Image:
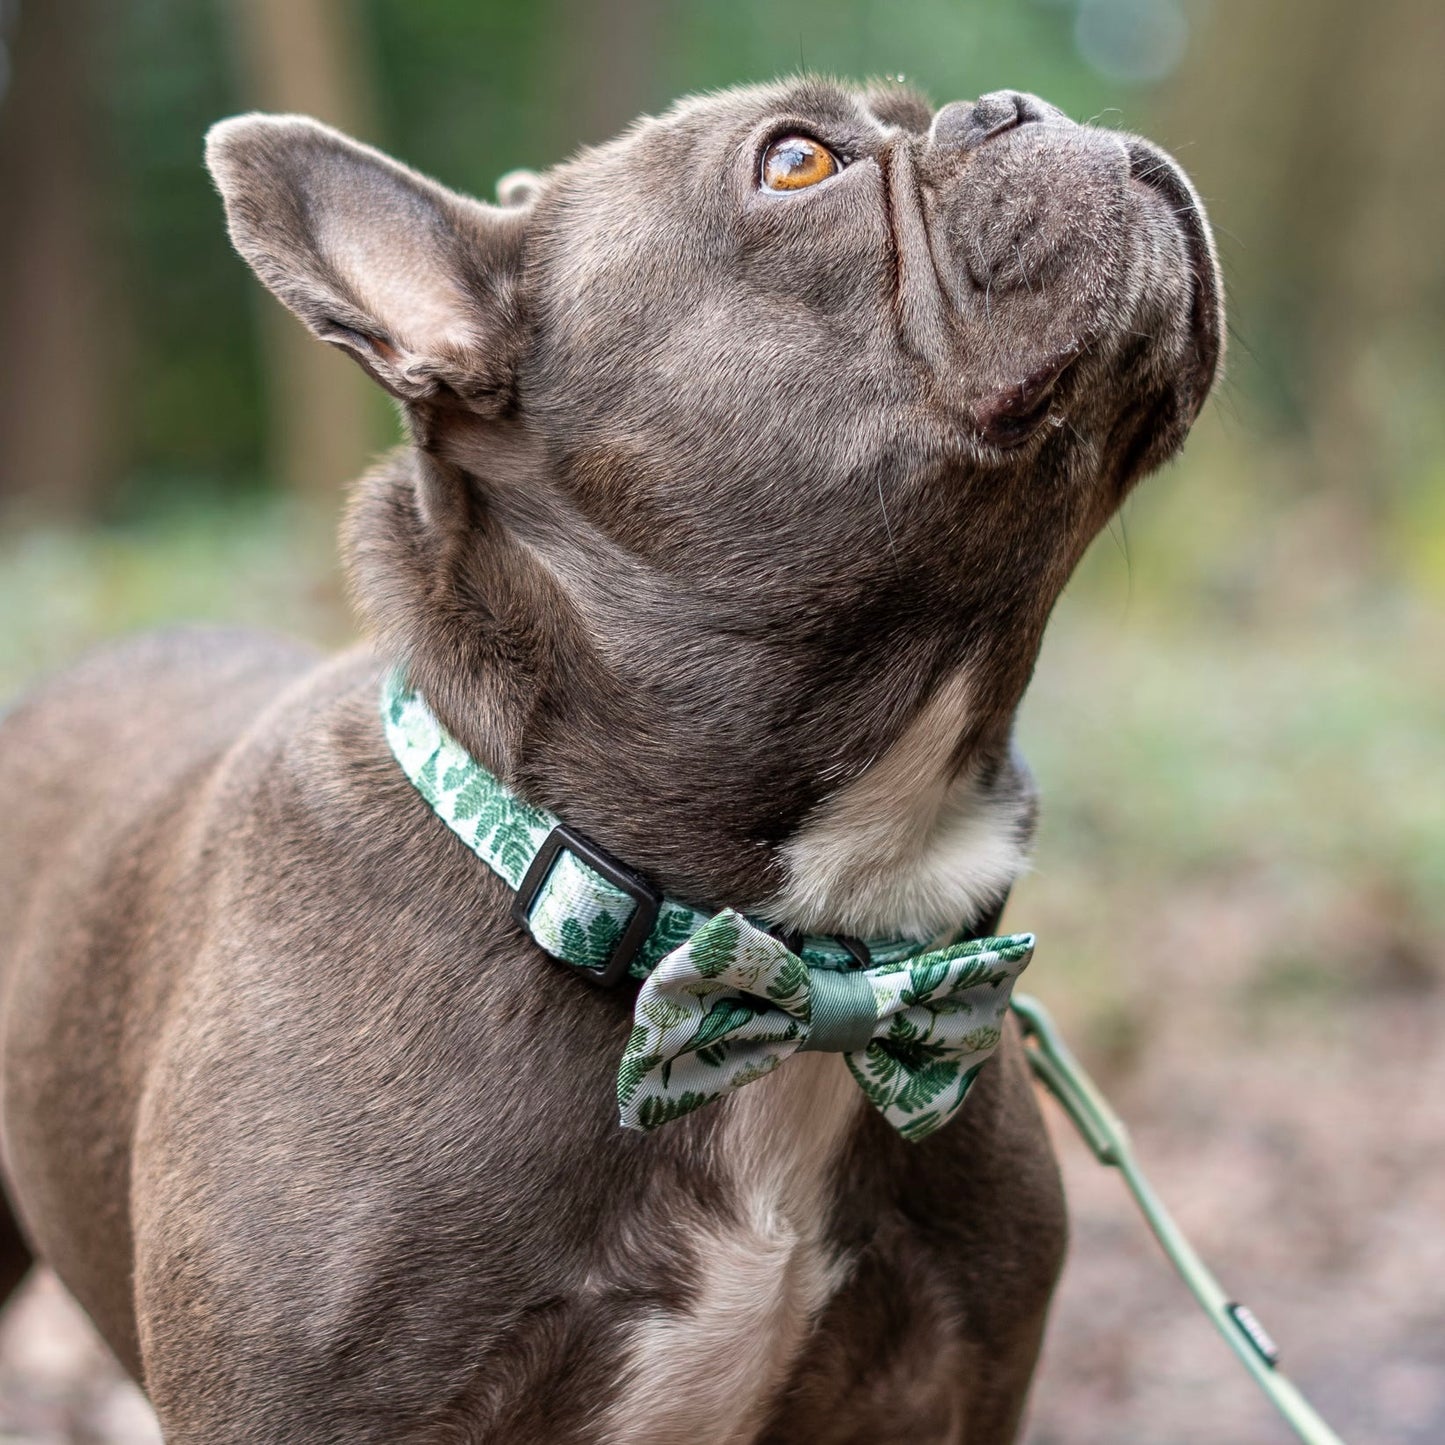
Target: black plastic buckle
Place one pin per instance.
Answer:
(647, 901)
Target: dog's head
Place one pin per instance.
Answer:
(742, 436)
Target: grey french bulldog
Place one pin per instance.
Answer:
(749, 453)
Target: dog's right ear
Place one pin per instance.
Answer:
(421, 285)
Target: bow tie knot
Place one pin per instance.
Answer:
(732, 1003)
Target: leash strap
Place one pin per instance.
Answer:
(1064, 1077)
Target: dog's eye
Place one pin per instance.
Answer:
(796, 161)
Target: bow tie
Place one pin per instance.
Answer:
(732, 1003)
(723, 1001)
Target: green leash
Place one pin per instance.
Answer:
(1104, 1133)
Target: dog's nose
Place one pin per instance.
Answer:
(965, 125)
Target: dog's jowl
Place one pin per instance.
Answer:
(748, 455)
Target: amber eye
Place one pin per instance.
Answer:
(796, 161)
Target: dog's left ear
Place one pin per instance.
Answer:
(421, 285)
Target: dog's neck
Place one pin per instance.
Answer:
(730, 768)
(913, 844)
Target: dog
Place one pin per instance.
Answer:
(748, 454)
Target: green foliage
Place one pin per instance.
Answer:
(592, 945)
(791, 975)
(721, 1019)
(195, 405)
(635, 1067)
(715, 947)
(925, 978)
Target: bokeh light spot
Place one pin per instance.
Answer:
(1132, 40)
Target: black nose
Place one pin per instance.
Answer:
(964, 126)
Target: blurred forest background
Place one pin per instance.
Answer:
(1239, 719)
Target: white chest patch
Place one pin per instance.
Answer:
(706, 1376)
(907, 848)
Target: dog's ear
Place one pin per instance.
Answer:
(518, 188)
(421, 285)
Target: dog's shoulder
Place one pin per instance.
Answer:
(170, 685)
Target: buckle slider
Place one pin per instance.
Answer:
(646, 899)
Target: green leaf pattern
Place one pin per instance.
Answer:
(732, 1003)
(707, 1015)
(578, 916)
(465, 796)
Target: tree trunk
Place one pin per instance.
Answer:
(56, 417)
(305, 56)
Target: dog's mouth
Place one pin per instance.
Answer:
(1009, 417)
(1067, 243)
(1156, 174)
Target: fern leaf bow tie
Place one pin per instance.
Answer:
(732, 1003)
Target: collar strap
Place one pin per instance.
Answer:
(577, 901)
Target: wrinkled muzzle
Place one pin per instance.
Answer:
(1056, 241)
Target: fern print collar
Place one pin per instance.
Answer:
(724, 1001)
(579, 903)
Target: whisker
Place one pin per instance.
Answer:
(888, 526)
(988, 285)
